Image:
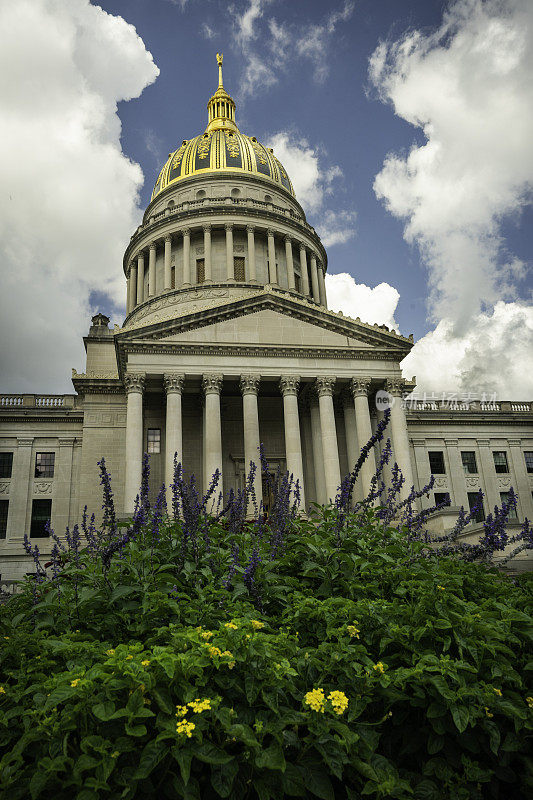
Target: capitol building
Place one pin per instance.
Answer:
(228, 343)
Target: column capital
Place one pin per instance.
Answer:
(207, 228)
(395, 386)
(451, 443)
(360, 386)
(270, 232)
(249, 384)
(134, 382)
(287, 239)
(250, 228)
(313, 258)
(66, 441)
(418, 442)
(26, 441)
(514, 442)
(483, 442)
(289, 384)
(186, 231)
(302, 245)
(131, 265)
(228, 226)
(168, 238)
(325, 385)
(212, 384)
(153, 245)
(140, 256)
(173, 383)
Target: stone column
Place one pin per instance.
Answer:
(314, 279)
(252, 274)
(303, 268)
(168, 270)
(400, 440)
(330, 450)
(359, 388)
(212, 384)
(230, 268)
(128, 291)
(521, 485)
(173, 430)
(490, 484)
(151, 270)
(272, 272)
(318, 456)
(352, 448)
(293, 444)
(290, 262)
(63, 486)
(140, 278)
(133, 293)
(458, 495)
(322, 287)
(422, 469)
(134, 383)
(207, 254)
(19, 489)
(249, 385)
(186, 257)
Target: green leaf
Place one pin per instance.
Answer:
(121, 591)
(271, 758)
(460, 717)
(222, 778)
(184, 758)
(427, 790)
(211, 754)
(38, 782)
(162, 698)
(318, 782)
(59, 695)
(153, 753)
(135, 730)
(104, 711)
(293, 781)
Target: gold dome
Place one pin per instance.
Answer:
(222, 148)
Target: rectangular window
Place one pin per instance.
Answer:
(238, 268)
(528, 455)
(504, 497)
(4, 509)
(44, 465)
(468, 457)
(297, 283)
(500, 461)
(442, 497)
(41, 512)
(200, 270)
(473, 498)
(436, 462)
(6, 464)
(154, 440)
(173, 277)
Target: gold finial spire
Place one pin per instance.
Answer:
(221, 107)
(220, 58)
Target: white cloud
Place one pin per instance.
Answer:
(376, 306)
(207, 31)
(69, 195)
(313, 40)
(468, 87)
(336, 227)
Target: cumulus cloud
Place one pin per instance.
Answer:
(467, 86)
(68, 202)
(376, 306)
(336, 227)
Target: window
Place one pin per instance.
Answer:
(41, 512)
(500, 461)
(6, 464)
(504, 498)
(297, 283)
(200, 270)
(442, 497)
(4, 508)
(238, 268)
(468, 458)
(473, 498)
(436, 462)
(44, 465)
(528, 455)
(154, 440)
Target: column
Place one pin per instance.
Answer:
(140, 278)
(521, 485)
(128, 291)
(151, 270)
(134, 383)
(314, 279)
(303, 268)
(423, 472)
(252, 275)
(458, 495)
(19, 489)
(230, 270)
(62, 486)
(330, 450)
(490, 483)
(318, 458)
(186, 257)
(168, 253)
(290, 262)
(352, 448)
(133, 276)
(173, 430)
(293, 445)
(322, 287)
(207, 254)
(272, 272)
(212, 385)
(386, 476)
(400, 440)
(359, 388)
(249, 385)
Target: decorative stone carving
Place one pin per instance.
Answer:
(228, 226)
(25, 442)
(451, 442)
(395, 386)
(325, 385)
(43, 487)
(472, 481)
(238, 248)
(418, 442)
(360, 386)
(287, 239)
(441, 483)
(186, 231)
(504, 482)
(249, 384)
(206, 228)
(168, 238)
(153, 246)
(212, 384)
(173, 383)
(66, 441)
(514, 442)
(289, 384)
(134, 382)
(250, 229)
(4, 488)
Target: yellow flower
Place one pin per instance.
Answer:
(488, 713)
(214, 651)
(128, 658)
(206, 634)
(316, 700)
(6, 637)
(75, 682)
(529, 701)
(2, 690)
(200, 705)
(181, 711)
(339, 701)
(115, 754)
(497, 691)
(353, 631)
(145, 662)
(257, 625)
(185, 727)
(231, 664)
(442, 588)
(379, 667)
(110, 652)
(230, 625)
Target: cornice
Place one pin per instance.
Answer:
(47, 415)
(468, 418)
(92, 384)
